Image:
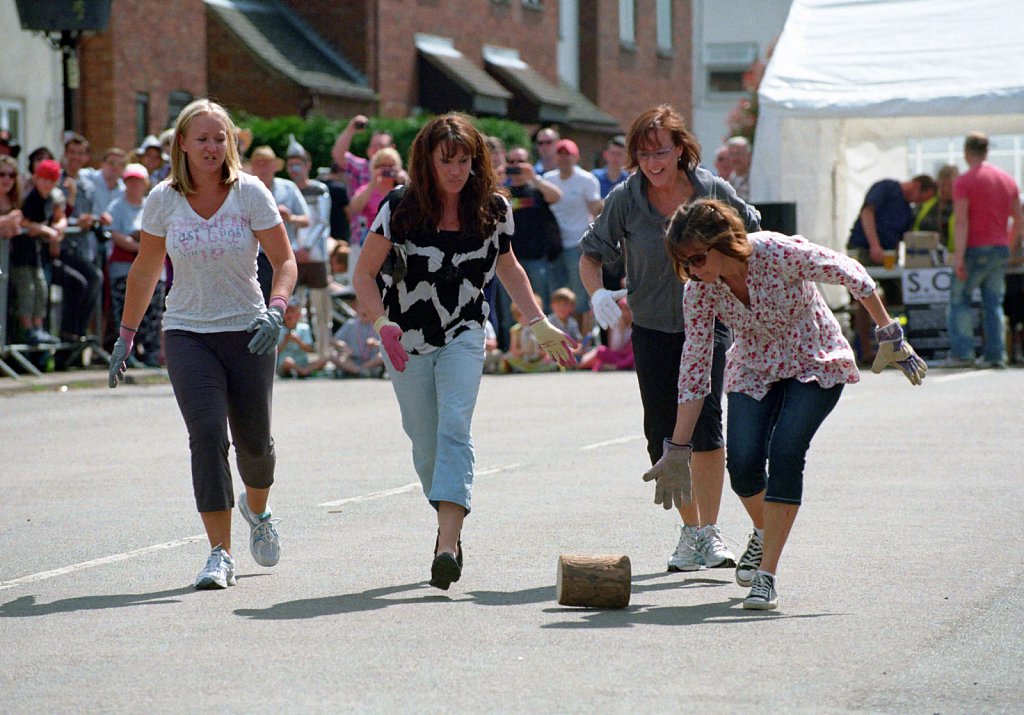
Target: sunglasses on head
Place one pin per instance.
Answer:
(697, 261)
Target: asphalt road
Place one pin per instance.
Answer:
(900, 587)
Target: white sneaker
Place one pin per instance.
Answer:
(219, 571)
(687, 556)
(713, 550)
(750, 561)
(264, 541)
(763, 596)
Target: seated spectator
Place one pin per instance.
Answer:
(44, 222)
(296, 347)
(357, 348)
(524, 352)
(493, 356)
(125, 227)
(563, 305)
(617, 354)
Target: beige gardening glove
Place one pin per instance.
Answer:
(894, 350)
(555, 343)
(672, 475)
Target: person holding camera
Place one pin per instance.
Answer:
(385, 169)
(125, 227)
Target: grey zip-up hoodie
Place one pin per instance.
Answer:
(630, 227)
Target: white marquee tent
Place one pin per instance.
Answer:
(850, 81)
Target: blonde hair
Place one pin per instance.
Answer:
(385, 153)
(181, 177)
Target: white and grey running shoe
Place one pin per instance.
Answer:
(713, 550)
(687, 556)
(750, 561)
(219, 571)
(264, 541)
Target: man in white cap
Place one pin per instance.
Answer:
(310, 244)
(151, 154)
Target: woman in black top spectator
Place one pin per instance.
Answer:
(446, 236)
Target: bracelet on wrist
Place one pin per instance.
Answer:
(379, 323)
(534, 321)
(130, 330)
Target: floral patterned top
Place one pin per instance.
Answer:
(787, 332)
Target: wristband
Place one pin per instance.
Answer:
(379, 323)
(280, 301)
(536, 320)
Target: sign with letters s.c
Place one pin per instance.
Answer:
(926, 285)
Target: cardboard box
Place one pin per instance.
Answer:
(921, 249)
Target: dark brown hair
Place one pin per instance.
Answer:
(15, 193)
(643, 134)
(421, 208)
(704, 224)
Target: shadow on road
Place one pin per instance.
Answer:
(26, 606)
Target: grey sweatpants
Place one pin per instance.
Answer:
(218, 383)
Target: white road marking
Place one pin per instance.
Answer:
(610, 442)
(953, 376)
(373, 495)
(42, 576)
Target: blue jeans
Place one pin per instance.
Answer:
(986, 269)
(778, 431)
(437, 395)
(564, 272)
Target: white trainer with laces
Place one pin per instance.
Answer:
(219, 571)
(713, 550)
(687, 556)
(763, 595)
(264, 541)
(750, 561)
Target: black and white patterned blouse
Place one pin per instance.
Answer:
(440, 292)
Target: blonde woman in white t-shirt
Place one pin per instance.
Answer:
(219, 336)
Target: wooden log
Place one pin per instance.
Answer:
(593, 581)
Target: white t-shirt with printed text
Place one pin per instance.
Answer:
(215, 287)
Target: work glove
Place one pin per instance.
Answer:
(391, 340)
(672, 475)
(122, 349)
(606, 306)
(554, 342)
(894, 350)
(268, 328)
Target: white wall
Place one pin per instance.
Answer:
(727, 21)
(30, 74)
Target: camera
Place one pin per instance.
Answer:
(388, 173)
(513, 170)
(102, 235)
(361, 124)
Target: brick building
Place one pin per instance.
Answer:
(585, 66)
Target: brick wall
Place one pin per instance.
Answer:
(151, 46)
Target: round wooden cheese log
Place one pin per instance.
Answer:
(593, 581)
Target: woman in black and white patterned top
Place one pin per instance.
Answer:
(440, 241)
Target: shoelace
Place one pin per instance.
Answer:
(715, 538)
(216, 560)
(265, 530)
(685, 544)
(752, 555)
(762, 587)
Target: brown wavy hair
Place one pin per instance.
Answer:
(643, 136)
(14, 195)
(704, 224)
(421, 208)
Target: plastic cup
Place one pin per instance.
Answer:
(889, 260)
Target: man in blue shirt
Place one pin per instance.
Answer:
(614, 170)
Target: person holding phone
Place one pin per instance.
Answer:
(385, 167)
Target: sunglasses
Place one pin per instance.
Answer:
(697, 261)
(546, 141)
(658, 154)
(8, 175)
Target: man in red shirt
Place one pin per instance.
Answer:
(985, 198)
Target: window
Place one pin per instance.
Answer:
(141, 116)
(176, 101)
(534, 4)
(664, 20)
(725, 64)
(627, 23)
(12, 113)
(927, 156)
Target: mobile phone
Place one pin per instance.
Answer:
(512, 170)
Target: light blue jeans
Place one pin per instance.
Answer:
(986, 269)
(437, 395)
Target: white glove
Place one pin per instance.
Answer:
(606, 306)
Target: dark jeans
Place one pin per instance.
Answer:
(219, 383)
(265, 275)
(656, 356)
(81, 281)
(777, 430)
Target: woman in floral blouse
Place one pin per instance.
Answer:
(783, 375)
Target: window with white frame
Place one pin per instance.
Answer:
(627, 22)
(927, 156)
(12, 118)
(663, 16)
(725, 63)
